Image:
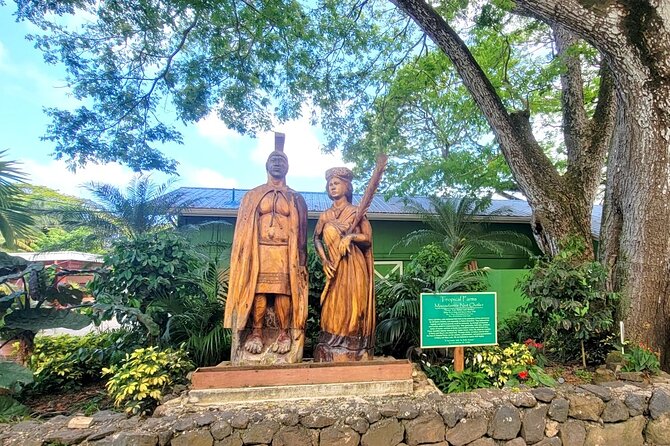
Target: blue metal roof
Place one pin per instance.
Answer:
(207, 201)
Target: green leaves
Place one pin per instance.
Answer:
(569, 298)
(13, 375)
(251, 64)
(10, 409)
(35, 319)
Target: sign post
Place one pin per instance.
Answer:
(458, 320)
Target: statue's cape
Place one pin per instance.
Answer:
(244, 258)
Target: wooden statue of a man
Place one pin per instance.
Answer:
(267, 296)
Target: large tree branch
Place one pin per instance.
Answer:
(575, 122)
(531, 167)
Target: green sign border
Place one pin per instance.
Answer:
(495, 322)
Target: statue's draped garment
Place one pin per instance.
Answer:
(246, 259)
(348, 303)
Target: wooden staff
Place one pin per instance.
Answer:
(363, 206)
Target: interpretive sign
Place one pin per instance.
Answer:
(458, 319)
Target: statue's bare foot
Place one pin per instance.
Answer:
(254, 343)
(283, 343)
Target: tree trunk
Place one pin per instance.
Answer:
(636, 222)
(26, 347)
(634, 36)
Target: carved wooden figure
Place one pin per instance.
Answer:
(267, 296)
(343, 241)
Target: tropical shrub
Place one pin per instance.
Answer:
(567, 296)
(499, 363)
(458, 223)
(13, 377)
(317, 281)
(143, 270)
(33, 298)
(450, 381)
(67, 361)
(196, 320)
(142, 378)
(519, 326)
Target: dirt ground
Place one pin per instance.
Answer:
(86, 400)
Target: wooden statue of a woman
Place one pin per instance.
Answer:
(343, 241)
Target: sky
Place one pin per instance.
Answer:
(211, 156)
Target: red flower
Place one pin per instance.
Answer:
(539, 346)
(529, 342)
(523, 375)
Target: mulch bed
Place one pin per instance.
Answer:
(87, 399)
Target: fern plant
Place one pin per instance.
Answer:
(195, 320)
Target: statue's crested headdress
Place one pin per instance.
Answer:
(340, 172)
(279, 146)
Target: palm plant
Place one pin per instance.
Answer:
(398, 329)
(195, 321)
(461, 222)
(15, 219)
(143, 207)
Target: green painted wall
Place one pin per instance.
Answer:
(504, 282)
(503, 275)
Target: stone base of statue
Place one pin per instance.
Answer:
(225, 383)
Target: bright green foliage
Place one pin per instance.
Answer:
(250, 63)
(67, 361)
(143, 270)
(139, 382)
(15, 219)
(398, 298)
(567, 295)
(499, 363)
(55, 220)
(640, 358)
(459, 223)
(437, 137)
(80, 239)
(195, 321)
(450, 381)
(12, 378)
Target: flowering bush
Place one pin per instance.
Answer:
(498, 363)
(537, 350)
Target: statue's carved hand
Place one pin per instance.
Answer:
(345, 245)
(329, 269)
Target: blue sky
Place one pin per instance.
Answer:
(211, 156)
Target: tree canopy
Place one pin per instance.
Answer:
(138, 65)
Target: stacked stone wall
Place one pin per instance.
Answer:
(588, 415)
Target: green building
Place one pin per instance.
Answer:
(214, 211)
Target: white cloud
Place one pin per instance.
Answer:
(214, 130)
(193, 177)
(302, 147)
(55, 175)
